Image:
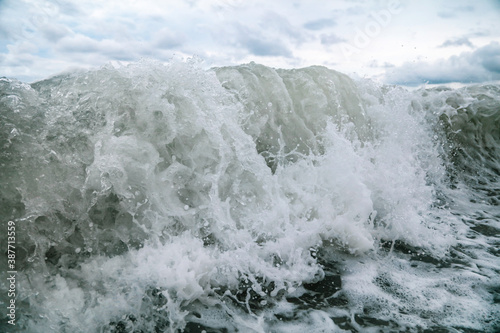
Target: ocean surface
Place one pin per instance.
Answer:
(172, 198)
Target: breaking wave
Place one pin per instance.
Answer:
(169, 198)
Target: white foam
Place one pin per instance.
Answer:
(188, 188)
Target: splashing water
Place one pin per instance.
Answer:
(168, 198)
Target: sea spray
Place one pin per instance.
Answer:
(154, 197)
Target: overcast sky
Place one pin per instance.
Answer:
(404, 42)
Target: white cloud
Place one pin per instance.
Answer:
(52, 34)
(468, 67)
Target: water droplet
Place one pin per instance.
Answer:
(186, 207)
(77, 250)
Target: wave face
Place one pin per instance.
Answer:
(168, 198)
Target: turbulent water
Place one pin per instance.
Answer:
(170, 198)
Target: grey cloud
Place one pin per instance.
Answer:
(26, 20)
(358, 10)
(167, 40)
(375, 64)
(329, 39)
(77, 43)
(273, 35)
(13, 27)
(4, 33)
(489, 56)
(458, 42)
(253, 40)
(120, 52)
(282, 26)
(50, 8)
(19, 59)
(465, 8)
(319, 24)
(266, 47)
(446, 14)
(68, 8)
(480, 34)
(454, 11)
(54, 32)
(76, 46)
(479, 66)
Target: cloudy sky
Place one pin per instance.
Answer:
(407, 42)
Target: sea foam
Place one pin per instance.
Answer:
(168, 197)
